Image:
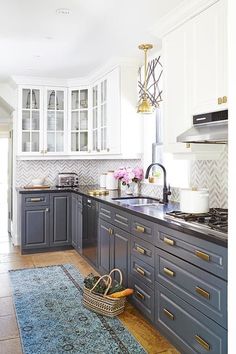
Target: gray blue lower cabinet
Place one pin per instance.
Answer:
(142, 298)
(76, 222)
(114, 249)
(60, 219)
(188, 329)
(35, 228)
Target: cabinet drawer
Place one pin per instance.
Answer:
(204, 254)
(29, 200)
(121, 219)
(200, 289)
(142, 298)
(142, 271)
(142, 228)
(142, 250)
(106, 212)
(187, 327)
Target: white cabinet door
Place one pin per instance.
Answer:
(194, 57)
(55, 121)
(79, 122)
(176, 100)
(30, 126)
(106, 114)
(209, 50)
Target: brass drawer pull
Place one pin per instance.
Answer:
(202, 292)
(202, 342)
(168, 241)
(220, 100)
(140, 228)
(140, 250)
(169, 272)
(35, 199)
(225, 99)
(110, 231)
(139, 295)
(169, 314)
(140, 271)
(202, 255)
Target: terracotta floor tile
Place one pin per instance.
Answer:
(10, 346)
(8, 327)
(5, 285)
(6, 306)
(14, 257)
(4, 267)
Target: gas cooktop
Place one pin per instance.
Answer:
(215, 222)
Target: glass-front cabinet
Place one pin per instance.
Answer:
(89, 124)
(42, 121)
(79, 120)
(31, 120)
(55, 121)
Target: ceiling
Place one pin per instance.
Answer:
(35, 41)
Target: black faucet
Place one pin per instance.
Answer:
(166, 191)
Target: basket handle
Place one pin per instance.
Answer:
(109, 282)
(117, 270)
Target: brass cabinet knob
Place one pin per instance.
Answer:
(225, 99)
(220, 100)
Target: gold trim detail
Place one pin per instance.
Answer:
(202, 255)
(35, 199)
(140, 271)
(169, 272)
(202, 342)
(168, 241)
(140, 250)
(169, 314)
(202, 292)
(139, 295)
(140, 228)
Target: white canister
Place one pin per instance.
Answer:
(194, 201)
(103, 180)
(111, 182)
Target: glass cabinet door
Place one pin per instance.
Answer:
(30, 120)
(103, 115)
(55, 120)
(79, 120)
(95, 120)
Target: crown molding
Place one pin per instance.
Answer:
(38, 81)
(179, 15)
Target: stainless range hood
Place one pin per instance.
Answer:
(207, 128)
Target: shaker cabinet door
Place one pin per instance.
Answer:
(60, 219)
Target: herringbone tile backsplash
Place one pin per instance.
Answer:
(207, 174)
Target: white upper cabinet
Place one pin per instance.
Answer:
(42, 121)
(209, 50)
(195, 77)
(79, 120)
(100, 119)
(30, 123)
(55, 125)
(105, 114)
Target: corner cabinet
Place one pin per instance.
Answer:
(94, 117)
(42, 121)
(195, 76)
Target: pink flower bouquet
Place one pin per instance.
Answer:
(127, 175)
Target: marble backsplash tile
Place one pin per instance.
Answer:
(211, 174)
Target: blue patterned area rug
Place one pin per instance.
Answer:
(52, 319)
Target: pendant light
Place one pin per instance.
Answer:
(145, 105)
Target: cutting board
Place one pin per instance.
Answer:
(37, 187)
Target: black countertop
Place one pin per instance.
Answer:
(155, 213)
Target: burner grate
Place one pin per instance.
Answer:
(216, 218)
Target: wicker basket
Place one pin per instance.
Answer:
(103, 304)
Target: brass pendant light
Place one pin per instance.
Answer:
(145, 105)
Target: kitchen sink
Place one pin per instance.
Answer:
(136, 201)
